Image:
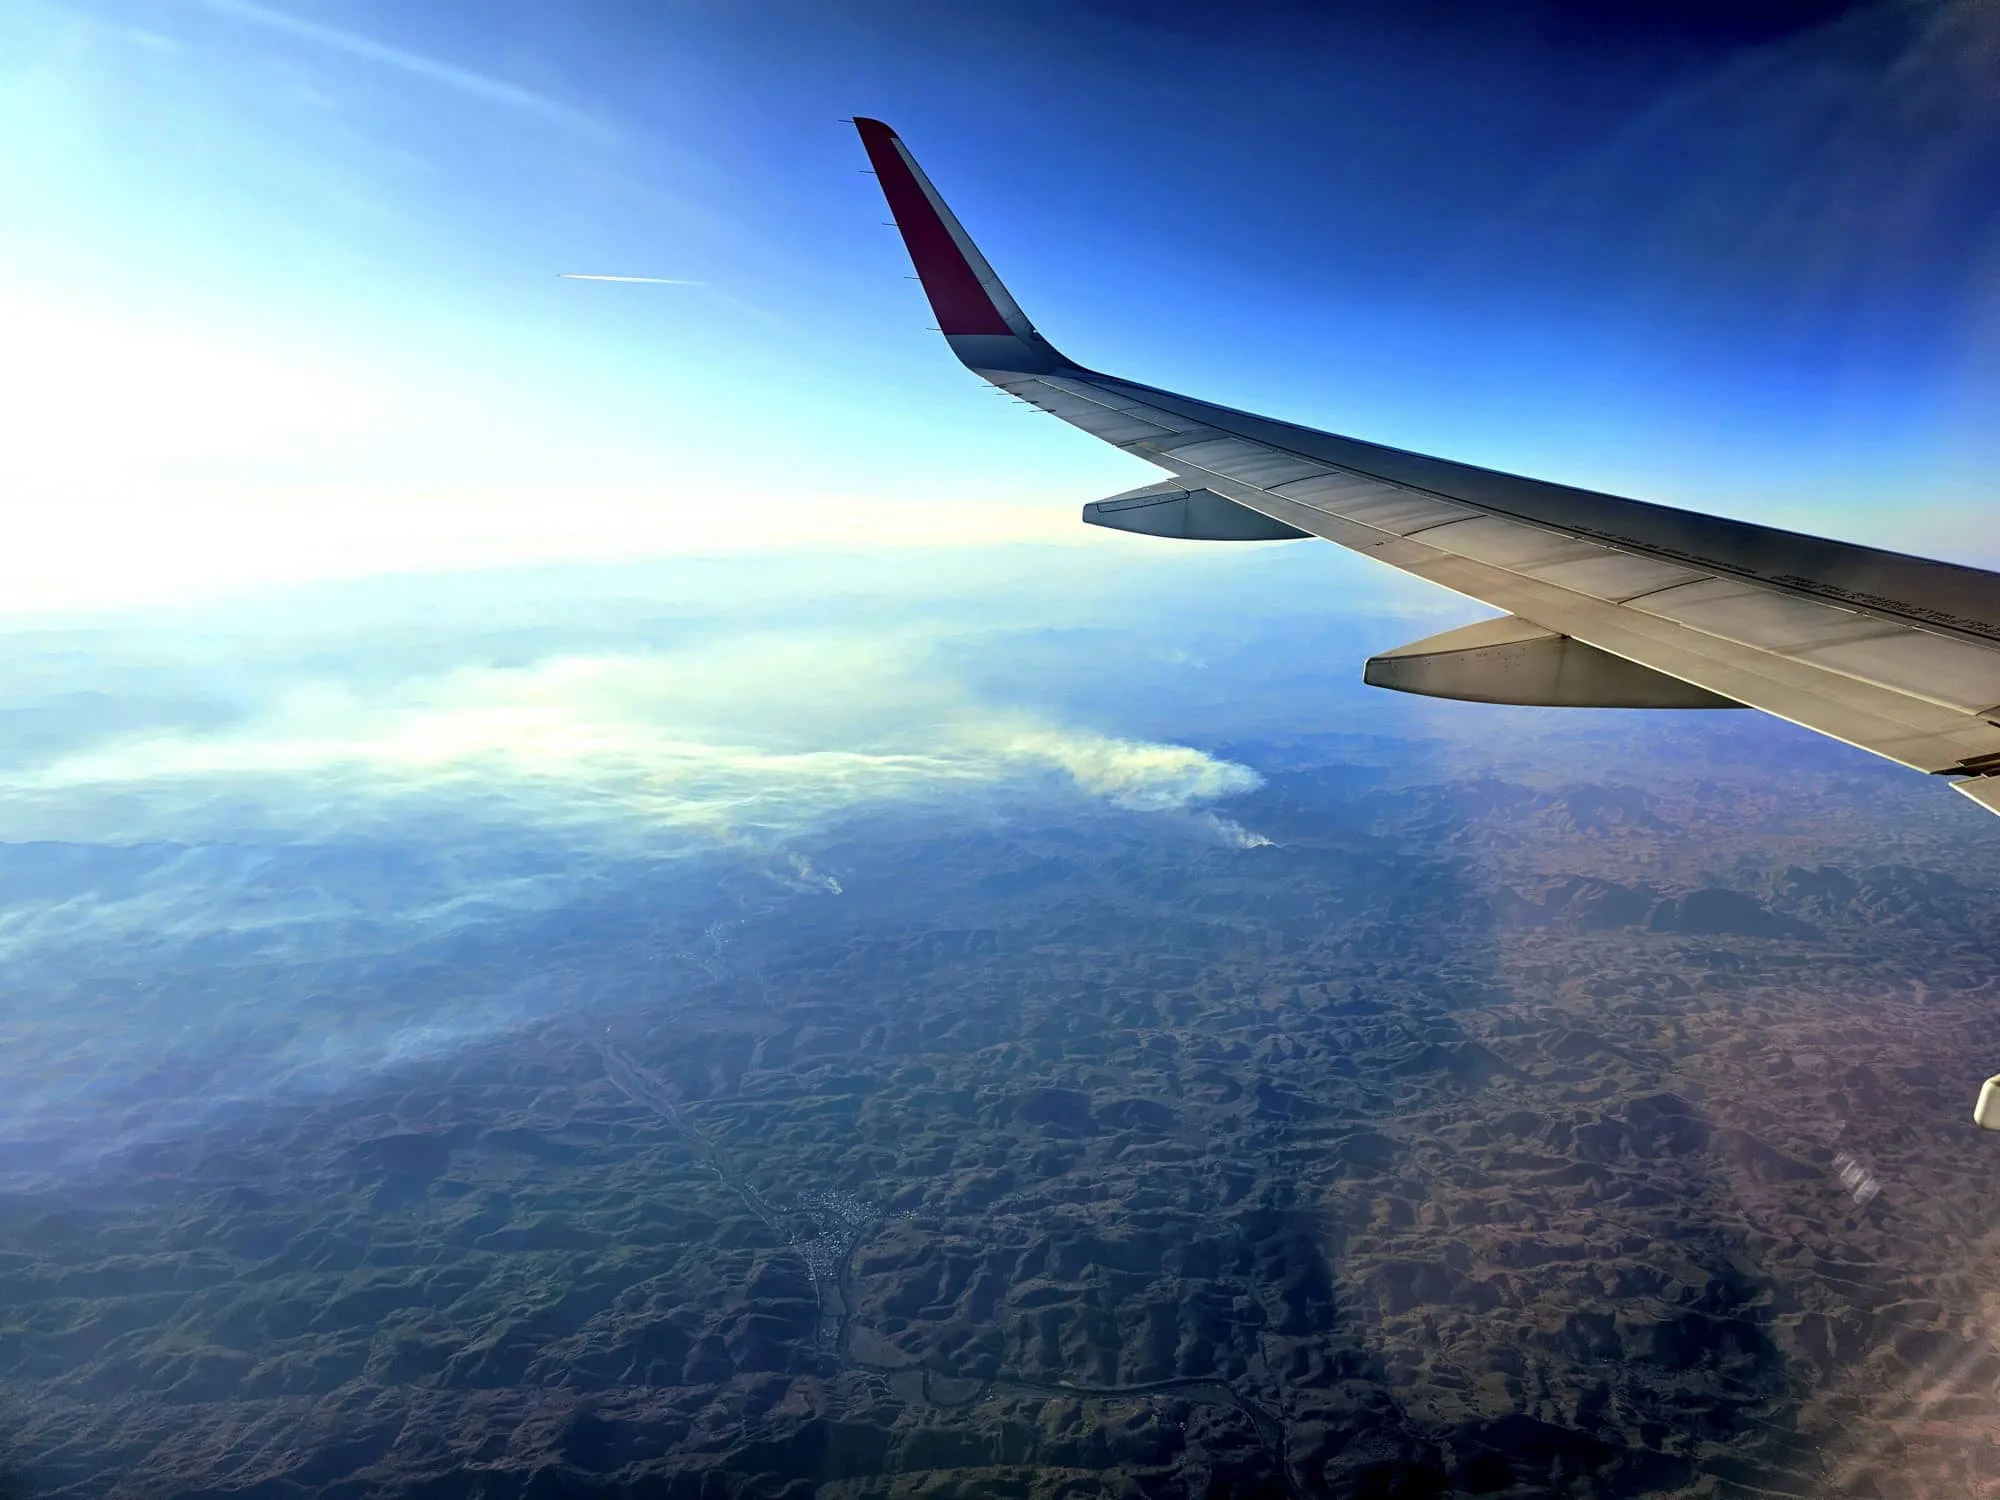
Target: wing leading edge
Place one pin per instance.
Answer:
(1896, 654)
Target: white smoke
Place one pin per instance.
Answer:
(1233, 833)
(805, 878)
(752, 742)
(1134, 774)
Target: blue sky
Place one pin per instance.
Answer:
(280, 280)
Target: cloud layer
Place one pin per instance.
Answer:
(214, 829)
(756, 739)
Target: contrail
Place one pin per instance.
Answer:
(656, 280)
(494, 90)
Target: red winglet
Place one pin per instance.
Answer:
(961, 303)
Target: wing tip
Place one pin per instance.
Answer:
(939, 249)
(984, 325)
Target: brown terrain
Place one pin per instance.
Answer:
(1492, 1132)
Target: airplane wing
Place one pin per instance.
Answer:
(1610, 602)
